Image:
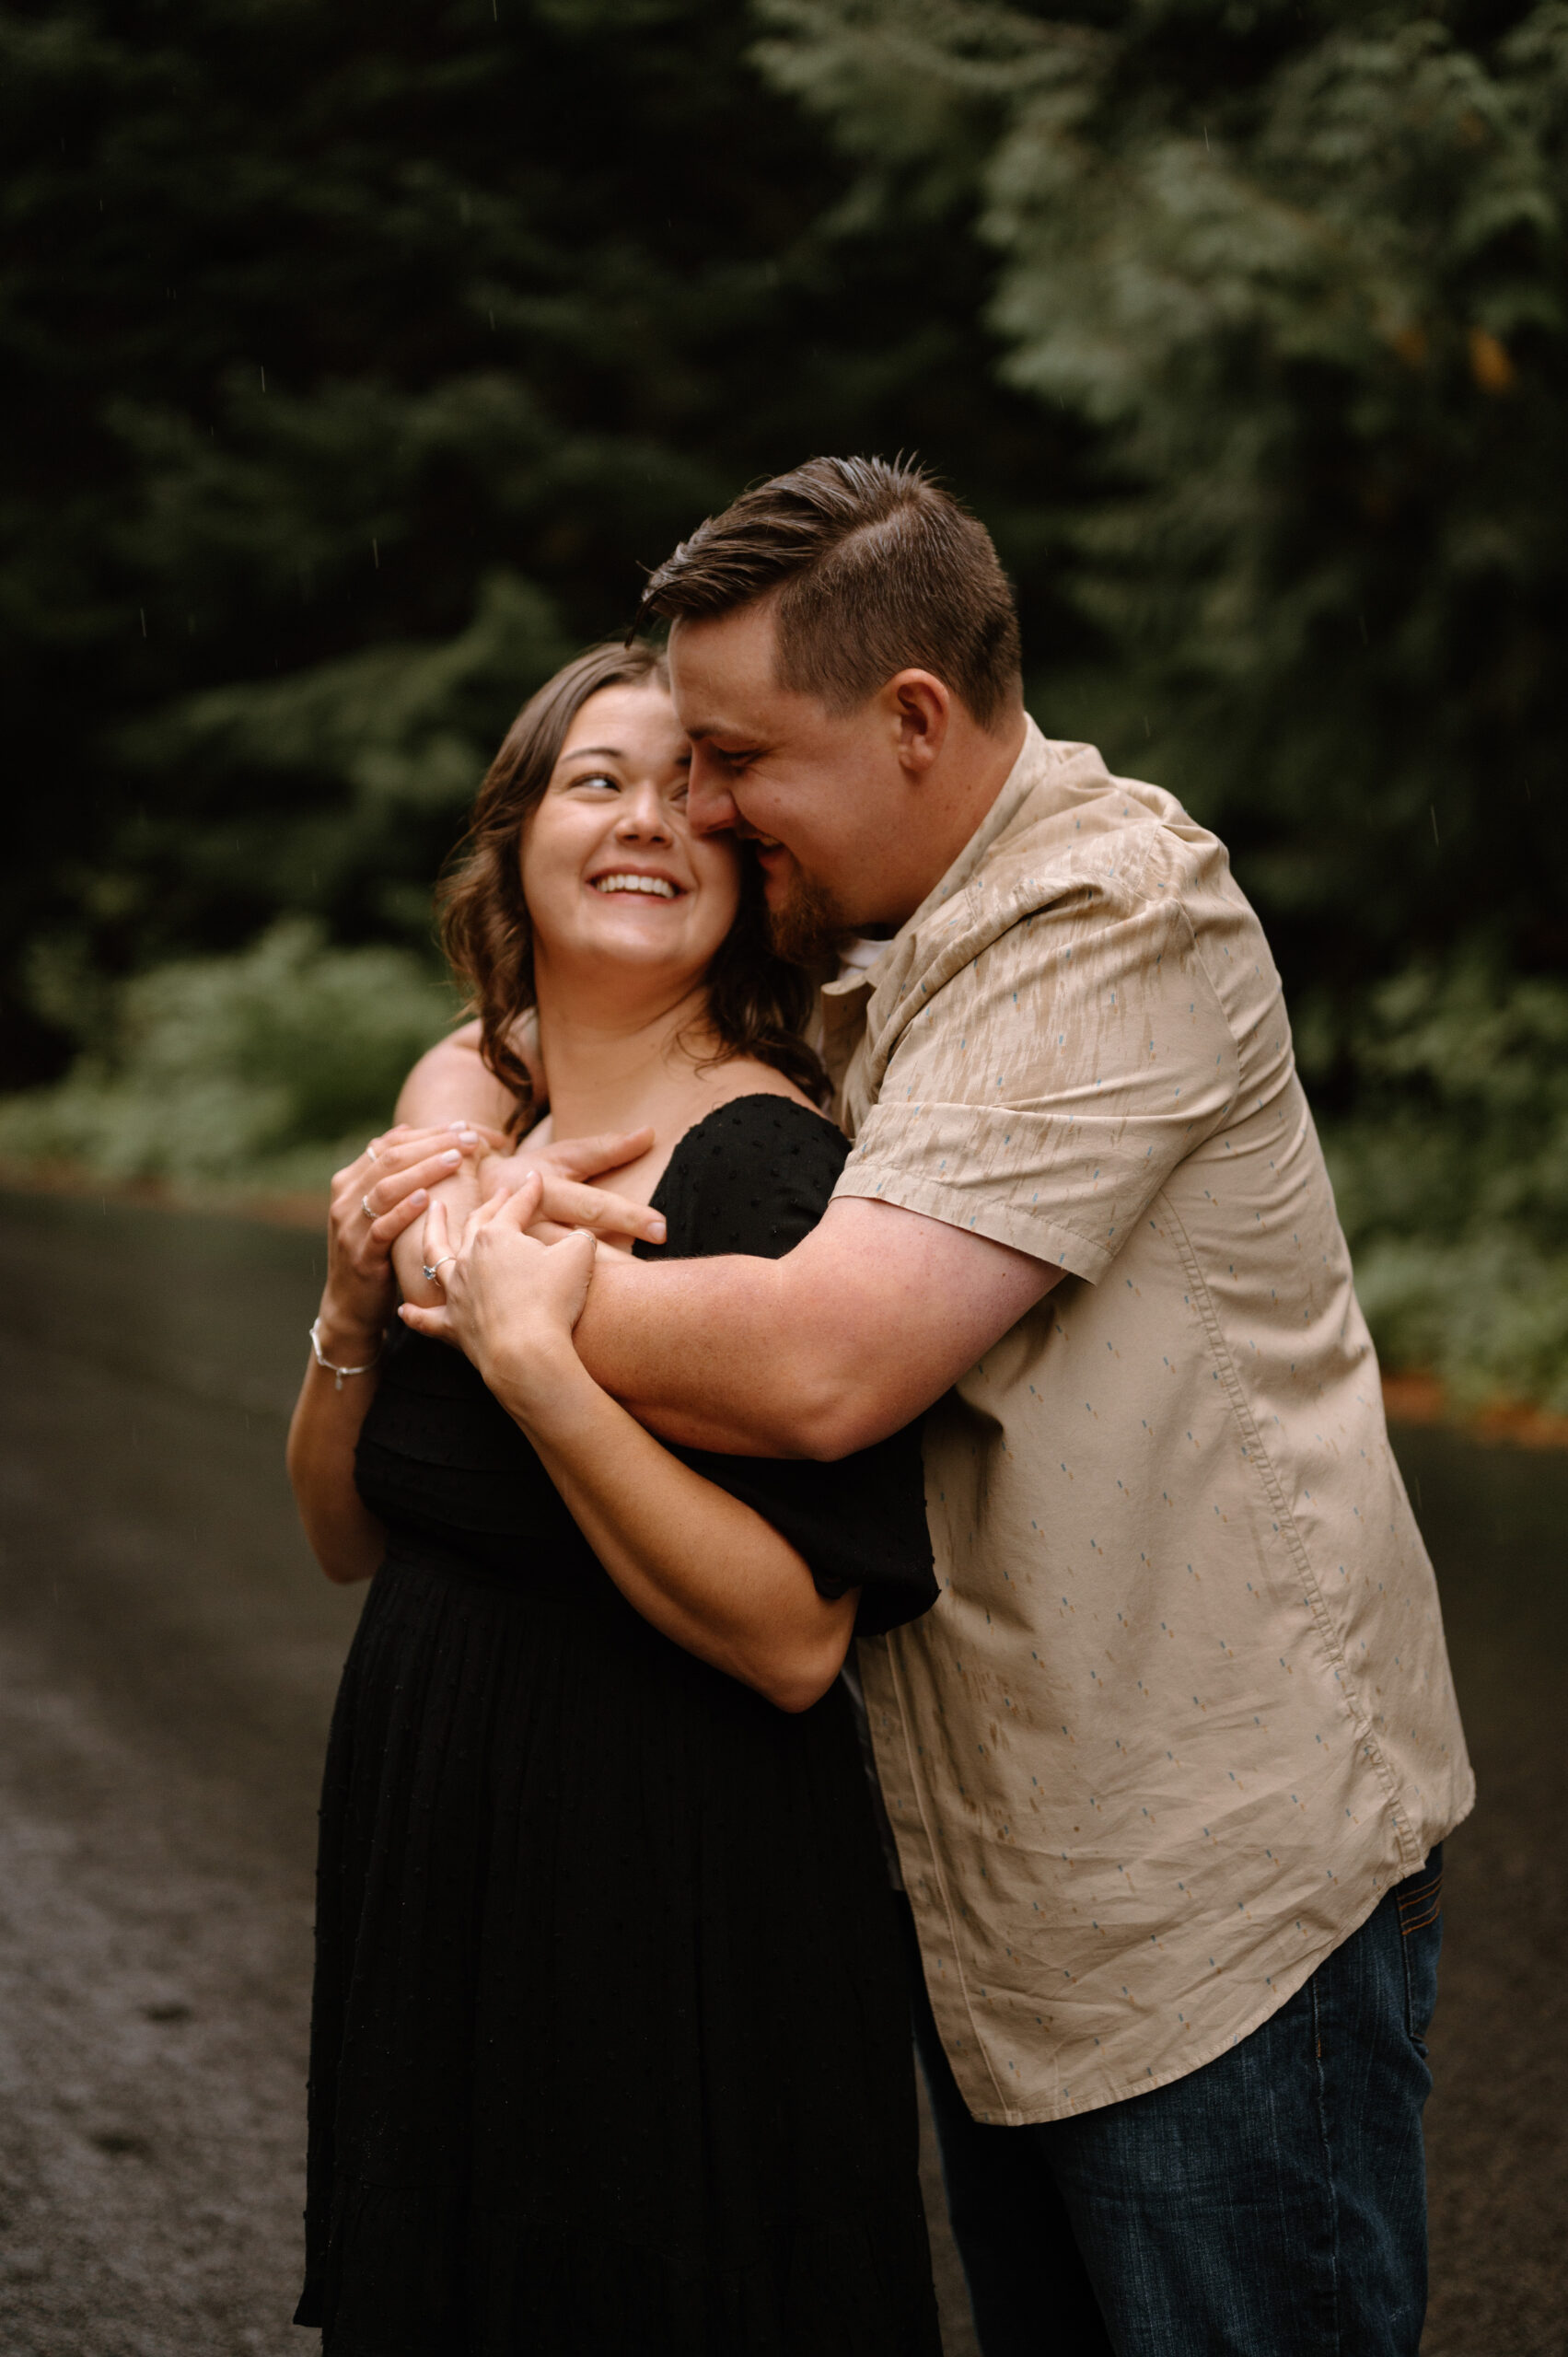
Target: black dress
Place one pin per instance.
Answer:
(610, 2051)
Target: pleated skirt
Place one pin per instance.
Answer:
(610, 2049)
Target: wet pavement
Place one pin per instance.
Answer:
(168, 1659)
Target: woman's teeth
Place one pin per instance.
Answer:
(654, 884)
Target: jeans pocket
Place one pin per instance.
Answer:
(1420, 1903)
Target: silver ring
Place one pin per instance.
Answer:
(364, 1207)
(433, 1275)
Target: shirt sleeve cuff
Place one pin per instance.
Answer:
(958, 1206)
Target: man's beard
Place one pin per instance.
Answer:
(807, 925)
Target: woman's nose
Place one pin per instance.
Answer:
(644, 818)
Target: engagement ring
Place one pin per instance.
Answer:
(433, 1275)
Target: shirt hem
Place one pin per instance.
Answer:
(1288, 1986)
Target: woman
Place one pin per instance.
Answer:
(611, 2053)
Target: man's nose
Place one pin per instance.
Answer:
(710, 806)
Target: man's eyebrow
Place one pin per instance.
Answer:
(705, 730)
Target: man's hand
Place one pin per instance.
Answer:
(566, 1202)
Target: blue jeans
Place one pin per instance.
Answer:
(1271, 2204)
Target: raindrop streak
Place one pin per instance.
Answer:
(263, 380)
(376, 556)
(1436, 836)
(1360, 620)
(1207, 149)
(143, 611)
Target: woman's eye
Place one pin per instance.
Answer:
(598, 777)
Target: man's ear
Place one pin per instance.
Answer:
(920, 709)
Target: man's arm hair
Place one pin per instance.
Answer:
(844, 1341)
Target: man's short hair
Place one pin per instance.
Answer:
(876, 569)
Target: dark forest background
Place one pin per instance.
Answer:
(356, 359)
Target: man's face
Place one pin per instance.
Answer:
(823, 797)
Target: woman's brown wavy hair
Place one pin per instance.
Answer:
(756, 1004)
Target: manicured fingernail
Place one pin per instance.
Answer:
(419, 1196)
(658, 1232)
(452, 1155)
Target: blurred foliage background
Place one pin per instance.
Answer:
(356, 359)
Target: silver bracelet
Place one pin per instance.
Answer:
(322, 1360)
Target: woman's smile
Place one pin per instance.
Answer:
(629, 879)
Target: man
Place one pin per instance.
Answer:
(1168, 1764)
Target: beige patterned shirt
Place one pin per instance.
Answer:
(1183, 1712)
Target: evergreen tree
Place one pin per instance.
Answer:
(358, 357)
(1305, 268)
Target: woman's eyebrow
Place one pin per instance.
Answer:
(613, 753)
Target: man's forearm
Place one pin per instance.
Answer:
(846, 1339)
(694, 1349)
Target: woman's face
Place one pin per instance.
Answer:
(616, 882)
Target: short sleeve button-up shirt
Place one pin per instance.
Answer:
(1183, 1712)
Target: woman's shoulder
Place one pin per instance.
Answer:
(754, 1174)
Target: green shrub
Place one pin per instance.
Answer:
(1453, 1179)
(258, 1068)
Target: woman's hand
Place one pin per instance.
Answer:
(511, 1302)
(374, 1199)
